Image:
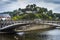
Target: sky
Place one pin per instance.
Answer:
(10, 5)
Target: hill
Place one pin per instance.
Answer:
(33, 12)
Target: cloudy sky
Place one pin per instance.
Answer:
(10, 5)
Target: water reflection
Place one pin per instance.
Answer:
(45, 35)
(52, 32)
(6, 37)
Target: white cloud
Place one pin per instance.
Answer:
(23, 3)
(4, 0)
(13, 6)
(50, 6)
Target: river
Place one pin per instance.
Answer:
(53, 34)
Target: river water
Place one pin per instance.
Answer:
(53, 34)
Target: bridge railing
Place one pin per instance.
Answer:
(6, 23)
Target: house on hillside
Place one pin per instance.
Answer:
(30, 11)
(5, 17)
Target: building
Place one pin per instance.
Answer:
(5, 16)
(28, 11)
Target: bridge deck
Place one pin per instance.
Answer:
(53, 24)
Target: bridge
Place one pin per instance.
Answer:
(10, 28)
(53, 24)
(13, 26)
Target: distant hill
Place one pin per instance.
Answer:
(33, 12)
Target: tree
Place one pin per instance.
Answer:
(29, 16)
(50, 12)
(34, 5)
(44, 9)
(19, 9)
(28, 6)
